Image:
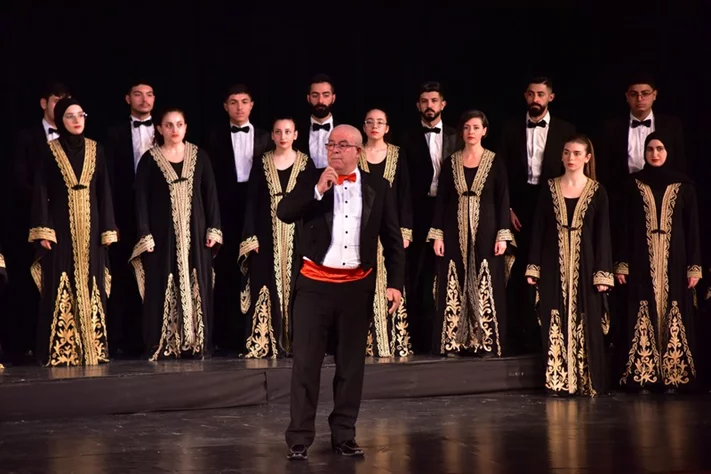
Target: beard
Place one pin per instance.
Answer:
(430, 115)
(320, 111)
(535, 110)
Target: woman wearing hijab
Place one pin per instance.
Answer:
(178, 222)
(659, 259)
(73, 223)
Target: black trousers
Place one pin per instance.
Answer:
(420, 274)
(318, 307)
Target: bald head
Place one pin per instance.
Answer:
(344, 156)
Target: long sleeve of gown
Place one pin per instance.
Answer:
(250, 240)
(544, 205)
(602, 272)
(501, 189)
(691, 231)
(41, 225)
(404, 198)
(107, 223)
(444, 189)
(145, 238)
(210, 201)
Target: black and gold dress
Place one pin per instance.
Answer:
(270, 272)
(176, 211)
(471, 215)
(571, 254)
(389, 335)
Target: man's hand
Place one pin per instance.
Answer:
(396, 297)
(327, 180)
(514, 221)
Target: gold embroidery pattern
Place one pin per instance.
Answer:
(406, 233)
(504, 235)
(247, 245)
(658, 245)
(622, 268)
(214, 234)
(36, 272)
(282, 233)
(109, 237)
(197, 316)
(693, 271)
(181, 198)
(569, 239)
(400, 344)
(488, 323)
(391, 161)
(80, 228)
(245, 297)
(2, 261)
(42, 233)
(452, 312)
(556, 367)
(107, 282)
(643, 355)
(674, 368)
(605, 324)
(98, 325)
(533, 271)
(603, 278)
(369, 352)
(64, 341)
(435, 234)
(169, 344)
(146, 242)
(262, 337)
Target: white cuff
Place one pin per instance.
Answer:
(318, 196)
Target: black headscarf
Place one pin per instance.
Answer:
(73, 144)
(661, 176)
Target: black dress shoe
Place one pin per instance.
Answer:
(297, 452)
(348, 448)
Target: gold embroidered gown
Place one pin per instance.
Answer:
(658, 255)
(389, 335)
(270, 274)
(176, 211)
(72, 208)
(570, 254)
(471, 215)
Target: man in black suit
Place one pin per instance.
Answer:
(24, 295)
(532, 151)
(314, 134)
(126, 143)
(339, 212)
(234, 147)
(425, 147)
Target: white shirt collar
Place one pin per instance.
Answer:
(439, 124)
(46, 125)
(134, 119)
(546, 117)
(248, 124)
(330, 120)
(648, 117)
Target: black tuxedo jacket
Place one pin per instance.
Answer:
(231, 194)
(122, 175)
(513, 151)
(612, 161)
(304, 129)
(314, 222)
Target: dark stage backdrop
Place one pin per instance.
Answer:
(377, 56)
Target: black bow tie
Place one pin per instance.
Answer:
(236, 129)
(51, 130)
(138, 123)
(317, 126)
(647, 123)
(431, 130)
(541, 124)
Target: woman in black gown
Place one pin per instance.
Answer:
(471, 234)
(73, 224)
(266, 253)
(388, 335)
(660, 261)
(571, 263)
(178, 220)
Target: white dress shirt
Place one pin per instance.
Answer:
(344, 251)
(243, 148)
(50, 136)
(142, 139)
(317, 143)
(434, 142)
(536, 139)
(635, 143)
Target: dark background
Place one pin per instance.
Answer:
(377, 55)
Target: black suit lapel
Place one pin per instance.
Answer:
(522, 149)
(368, 194)
(226, 139)
(38, 134)
(449, 142)
(127, 145)
(328, 215)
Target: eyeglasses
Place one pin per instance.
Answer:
(80, 115)
(341, 146)
(638, 95)
(372, 123)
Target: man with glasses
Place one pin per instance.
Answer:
(339, 212)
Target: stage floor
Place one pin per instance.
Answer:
(142, 386)
(499, 433)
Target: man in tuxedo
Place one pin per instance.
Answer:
(426, 146)
(24, 295)
(531, 148)
(126, 143)
(321, 97)
(234, 147)
(340, 212)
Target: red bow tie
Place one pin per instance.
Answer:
(351, 177)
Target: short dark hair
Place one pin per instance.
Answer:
(641, 79)
(471, 114)
(431, 86)
(238, 89)
(58, 89)
(545, 80)
(284, 117)
(138, 82)
(320, 79)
